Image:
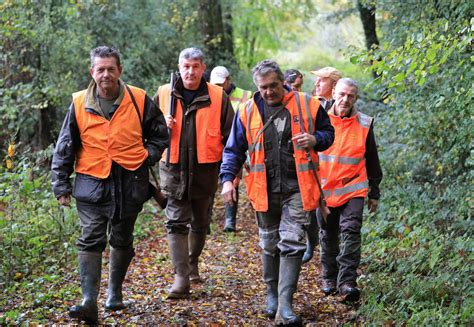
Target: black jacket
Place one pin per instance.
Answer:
(122, 185)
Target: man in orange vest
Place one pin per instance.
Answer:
(350, 171)
(221, 76)
(111, 134)
(326, 79)
(200, 118)
(282, 130)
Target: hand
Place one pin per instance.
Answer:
(236, 181)
(228, 193)
(372, 205)
(170, 121)
(65, 200)
(305, 140)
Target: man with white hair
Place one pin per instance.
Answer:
(350, 171)
(200, 118)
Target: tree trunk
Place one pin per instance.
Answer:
(367, 16)
(217, 33)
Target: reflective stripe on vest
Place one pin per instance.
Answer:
(343, 166)
(103, 141)
(256, 180)
(208, 126)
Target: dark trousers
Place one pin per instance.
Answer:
(340, 241)
(184, 213)
(98, 220)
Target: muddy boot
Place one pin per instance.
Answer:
(90, 264)
(118, 266)
(178, 247)
(287, 283)
(313, 237)
(271, 267)
(196, 244)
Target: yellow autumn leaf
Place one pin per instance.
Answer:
(11, 150)
(9, 164)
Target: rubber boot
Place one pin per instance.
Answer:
(271, 267)
(231, 215)
(287, 283)
(230, 218)
(178, 247)
(118, 266)
(313, 237)
(90, 264)
(196, 245)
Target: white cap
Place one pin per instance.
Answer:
(219, 74)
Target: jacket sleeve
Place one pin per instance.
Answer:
(64, 155)
(227, 116)
(154, 131)
(234, 152)
(324, 132)
(374, 171)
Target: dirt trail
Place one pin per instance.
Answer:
(232, 292)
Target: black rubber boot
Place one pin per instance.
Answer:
(312, 233)
(231, 215)
(271, 268)
(196, 245)
(118, 266)
(90, 264)
(178, 247)
(287, 283)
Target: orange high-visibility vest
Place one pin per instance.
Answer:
(256, 180)
(342, 166)
(103, 141)
(208, 126)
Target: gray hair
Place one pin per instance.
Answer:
(191, 54)
(105, 52)
(266, 67)
(349, 82)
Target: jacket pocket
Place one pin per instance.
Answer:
(140, 190)
(214, 144)
(90, 189)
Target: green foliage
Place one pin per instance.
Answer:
(261, 27)
(420, 258)
(34, 230)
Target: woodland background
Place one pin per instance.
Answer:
(413, 60)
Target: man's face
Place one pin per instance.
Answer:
(191, 72)
(345, 97)
(323, 87)
(271, 88)
(106, 73)
(297, 84)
